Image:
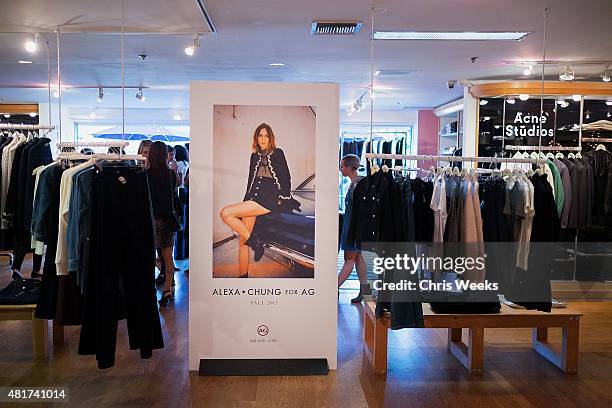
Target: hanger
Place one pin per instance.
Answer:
(533, 155)
(550, 156)
(600, 147)
(571, 155)
(542, 155)
(579, 155)
(559, 155)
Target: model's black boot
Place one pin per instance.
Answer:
(257, 246)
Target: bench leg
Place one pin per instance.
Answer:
(567, 360)
(39, 338)
(380, 347)
(58, 334)
(472, 354)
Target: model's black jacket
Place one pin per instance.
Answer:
(281, 175)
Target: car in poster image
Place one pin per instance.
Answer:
(289, 238)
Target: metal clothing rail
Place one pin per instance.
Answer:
(597, 139)
(453, 158)
(23, 126)
(92, 144)
(97, 157)
(545, 148)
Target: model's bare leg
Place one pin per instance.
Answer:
(232, 214)
(347, 268)
(362, 271)
(244, 256)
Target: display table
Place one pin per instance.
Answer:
(39, 327)
(471, 354)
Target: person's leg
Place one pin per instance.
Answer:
(169, 267)
(347, 268)
(362, 273)
(232, 214)
(243, 251)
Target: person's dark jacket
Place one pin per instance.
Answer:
(601, 161)
(280, 173)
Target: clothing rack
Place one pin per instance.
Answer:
(23, 126)
(92, 144)
(136, 157)
(545, 148)
(453, 158)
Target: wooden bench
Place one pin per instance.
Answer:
(471, 354)
(39, 328)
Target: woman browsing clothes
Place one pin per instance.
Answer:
(162, 186)
(268, 191)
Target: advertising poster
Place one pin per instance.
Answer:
(264, 222)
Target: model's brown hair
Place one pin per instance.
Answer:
(270, 135)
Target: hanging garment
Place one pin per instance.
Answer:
(121, 285)
(602, 168)
(438, 206)
(567, 192)
(557, 186)
(524, 236)
(423, 214)
(574, 171)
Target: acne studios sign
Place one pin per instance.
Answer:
(528, 125)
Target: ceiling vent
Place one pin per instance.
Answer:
(395, 73)
(321, 28)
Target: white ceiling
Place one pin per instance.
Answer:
(253, 33)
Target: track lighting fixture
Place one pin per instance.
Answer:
(140, 96)
(190, 50)
(31, 45)
(100, 94)
(567, 74)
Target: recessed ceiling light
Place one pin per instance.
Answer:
(377, 73)
(511, 101)
(449, 35)
(606, 76)
(277, 64)
(576, 98)
(523, 97)
(33, 114)
(560, 101)
(609, 102)
(483, 102)
(6, 115)
(56, 94)
(177, 117)
(24, 62)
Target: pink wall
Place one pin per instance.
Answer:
(428, 128)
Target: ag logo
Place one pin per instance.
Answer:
(263, 330)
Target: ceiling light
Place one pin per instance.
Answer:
(377, 73)
(483, 102)
(523, 97)
(56, 94)
(177, 117)
(449, 36)
(190, 50)
(608, 114)
(6, 115)
(609, 102)
(31, 45)
(511, 101)
(33, 114)
(277, 64)
(24, 62)
(588, 116)
(92, 115)
(560, 101)
(100, 94)
(527, 70)
(606, 75)
(140, 96)
(487, 118)
(576, 98)
(567, 74)
(565, 104)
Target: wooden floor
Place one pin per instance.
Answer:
(422, 373)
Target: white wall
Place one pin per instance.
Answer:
(295, 132)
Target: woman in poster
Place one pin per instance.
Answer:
(268, 191)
